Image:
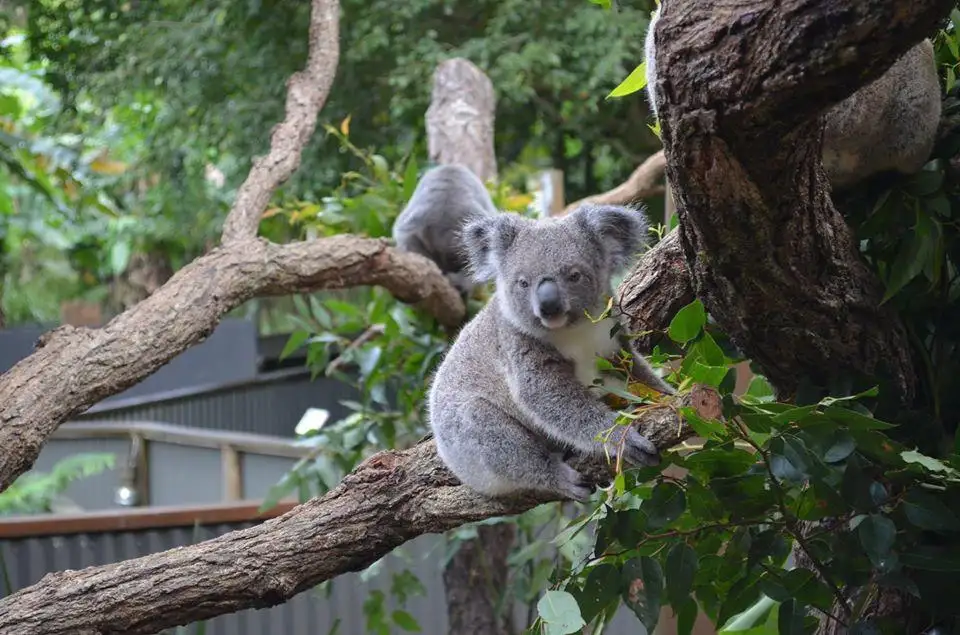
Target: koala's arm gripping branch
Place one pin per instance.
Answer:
(389, 499)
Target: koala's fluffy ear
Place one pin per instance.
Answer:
(485, 240)
(621, 231)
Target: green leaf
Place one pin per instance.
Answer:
(288, 483)
(560, 612)
(747, 622)
(296, 340)
(742, 594)
(406, 621)
(681, 568)
(790, 619)
(686, 610)
(635, 81)
(873, 391)
(855, 420)
(932, 559)
(918, 248)
(665, 505)
(924, 183)
(601, 587)
(759, 390)
(369, 358)
(804, 586)
(712, 429)
(119, 257)
(794, 415)
(643, 589)
(926, 511)
(928, 462)
(843, 446)
(707, 349)
(688, 322)
(710, 375)
(877, 534)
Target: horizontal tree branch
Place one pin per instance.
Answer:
(643, 183)
(387, 500)
(75, 368)
(307, 91)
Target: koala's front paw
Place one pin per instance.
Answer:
(574, 485)
(638, 450)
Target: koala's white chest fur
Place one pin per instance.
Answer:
(583, 343)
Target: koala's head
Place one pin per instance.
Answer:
(550, 272)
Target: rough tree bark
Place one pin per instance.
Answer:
(741, 88)
(655, 289)
(76, 367)
(460, 125)
(460, 118)
(389, 499)
(740, 93)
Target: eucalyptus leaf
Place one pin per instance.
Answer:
(681, 567)
(560, 612)
(688, 322)
(877, 534)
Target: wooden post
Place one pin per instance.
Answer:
(551, 192)
(460, 131)
(232, 473)
(460, 118)
(141, 466)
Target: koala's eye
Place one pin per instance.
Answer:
(574, 276)
(523, 282)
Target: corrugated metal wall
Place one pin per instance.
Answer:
(310, 613)
(270, 404)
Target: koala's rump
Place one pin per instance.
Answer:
(472, 378)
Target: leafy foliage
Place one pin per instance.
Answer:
(714, 529)
(217, 97)
(34, 492)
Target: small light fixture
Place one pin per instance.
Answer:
(126, 494)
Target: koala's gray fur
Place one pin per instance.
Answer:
(445, 199)
(887, 125)
(512, 393)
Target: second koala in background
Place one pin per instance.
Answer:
(889, 125)
(513, 393)
(447, 197)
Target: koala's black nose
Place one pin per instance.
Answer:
(548, 297)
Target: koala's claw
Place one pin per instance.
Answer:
(639, 450)
(575, 485)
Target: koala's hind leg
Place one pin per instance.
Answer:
(501, 456)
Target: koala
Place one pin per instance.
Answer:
(445, 198)
(889, 125)
(515, 390)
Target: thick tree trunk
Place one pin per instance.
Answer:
(460, 125)
(475, 580)
(741, 89)
(741, 92)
